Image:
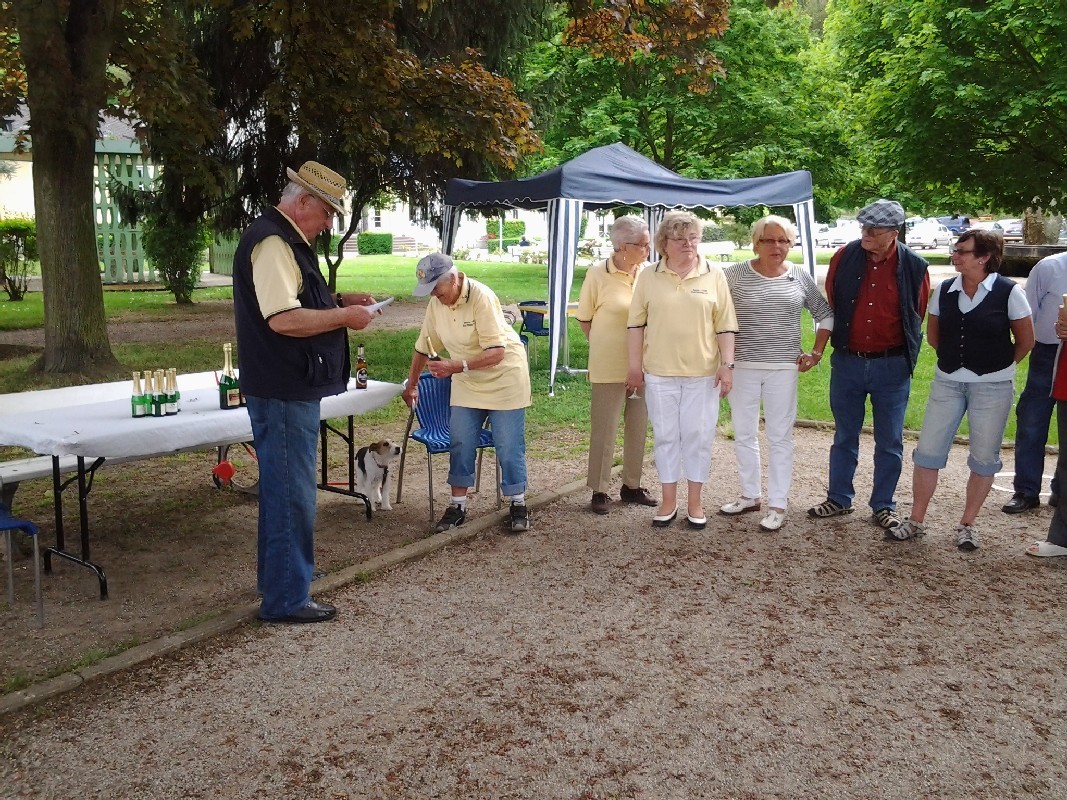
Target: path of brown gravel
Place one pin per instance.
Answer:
(595, 657)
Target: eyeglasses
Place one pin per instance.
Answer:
(694, 240)
(957, 252)
(873, 230)
(783, 242)
(641, 245)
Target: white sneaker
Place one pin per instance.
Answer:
(742, 506)
(967, 538)
(773, 521)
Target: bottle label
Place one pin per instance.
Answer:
(137, 406)
(361, 378)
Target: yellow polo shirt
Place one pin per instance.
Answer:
(605, 304)
(681, 319)
(476, 323)
(275, 274)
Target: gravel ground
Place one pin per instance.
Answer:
(595, 657)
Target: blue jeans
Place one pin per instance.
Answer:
(987, 406)
(887, 381)
(1033, 415)
(285, 433)
(509, 440)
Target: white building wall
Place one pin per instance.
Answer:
(16, 192)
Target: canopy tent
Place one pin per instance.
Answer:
(607, 177)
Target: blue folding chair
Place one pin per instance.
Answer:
(433, 411)
(8, 525)
(533, 321)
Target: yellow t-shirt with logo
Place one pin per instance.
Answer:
(681, 319)
(604, 303)
(476, 323)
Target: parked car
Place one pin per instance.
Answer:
(955, 223)
(838, 235)
(988, 225)
(1011, 229)
(928, 235)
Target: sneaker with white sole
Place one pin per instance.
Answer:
(967, 538)
(453, 517)
(908, 529)
(742, 506)
(773, 521)
(520, 518)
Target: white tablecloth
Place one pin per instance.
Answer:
(95, 421)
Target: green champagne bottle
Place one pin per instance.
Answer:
(159, 398)
(138, 407)
(229, 389)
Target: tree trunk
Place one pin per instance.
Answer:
(65, 48)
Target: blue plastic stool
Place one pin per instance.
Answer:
(8, 525)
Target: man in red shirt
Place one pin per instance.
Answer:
(878, 288)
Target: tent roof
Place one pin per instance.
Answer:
(615, 175)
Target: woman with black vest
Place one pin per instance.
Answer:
(981, 327)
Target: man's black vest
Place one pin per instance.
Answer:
(979, 340)
(911, 269)
(277, 366)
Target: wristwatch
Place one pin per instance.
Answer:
(465, 367)
(340, 300)
(728, 364)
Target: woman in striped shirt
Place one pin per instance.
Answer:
(768, 294)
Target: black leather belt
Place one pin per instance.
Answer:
(892, 351)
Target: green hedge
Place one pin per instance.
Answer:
(513, 228)
(375, 244)
(18, 247)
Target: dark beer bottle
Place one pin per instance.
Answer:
(361, 368)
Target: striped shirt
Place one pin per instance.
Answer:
(768, 314)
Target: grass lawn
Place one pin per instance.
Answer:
(391, 350)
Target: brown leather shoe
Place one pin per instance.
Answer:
(600, 504)
(638, 496)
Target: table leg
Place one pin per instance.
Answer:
(84, 487)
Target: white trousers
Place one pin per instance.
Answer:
(777, 388)
(684, 413)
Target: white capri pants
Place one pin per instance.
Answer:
(777, 388)
(684, 413)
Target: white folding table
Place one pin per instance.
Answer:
(93, 423)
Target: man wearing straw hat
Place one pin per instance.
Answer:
(293, 346)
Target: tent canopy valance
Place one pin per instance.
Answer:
(607, 177)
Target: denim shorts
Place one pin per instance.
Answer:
(987, 406)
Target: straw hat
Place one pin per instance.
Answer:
(322, 182)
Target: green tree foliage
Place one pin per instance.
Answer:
(227, 93)
(18, 247)
(964, 103)
(748, 99)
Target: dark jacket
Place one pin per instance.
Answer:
(979, 340)
(911, 269)
(277, 366)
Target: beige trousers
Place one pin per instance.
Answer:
(608, 403)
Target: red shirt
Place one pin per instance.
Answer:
(876, 324)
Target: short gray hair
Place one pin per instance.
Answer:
(771, 219)
(293, 191)
(626, 230)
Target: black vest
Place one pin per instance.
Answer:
(911, 269)
(979, 340)
(285, 367)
